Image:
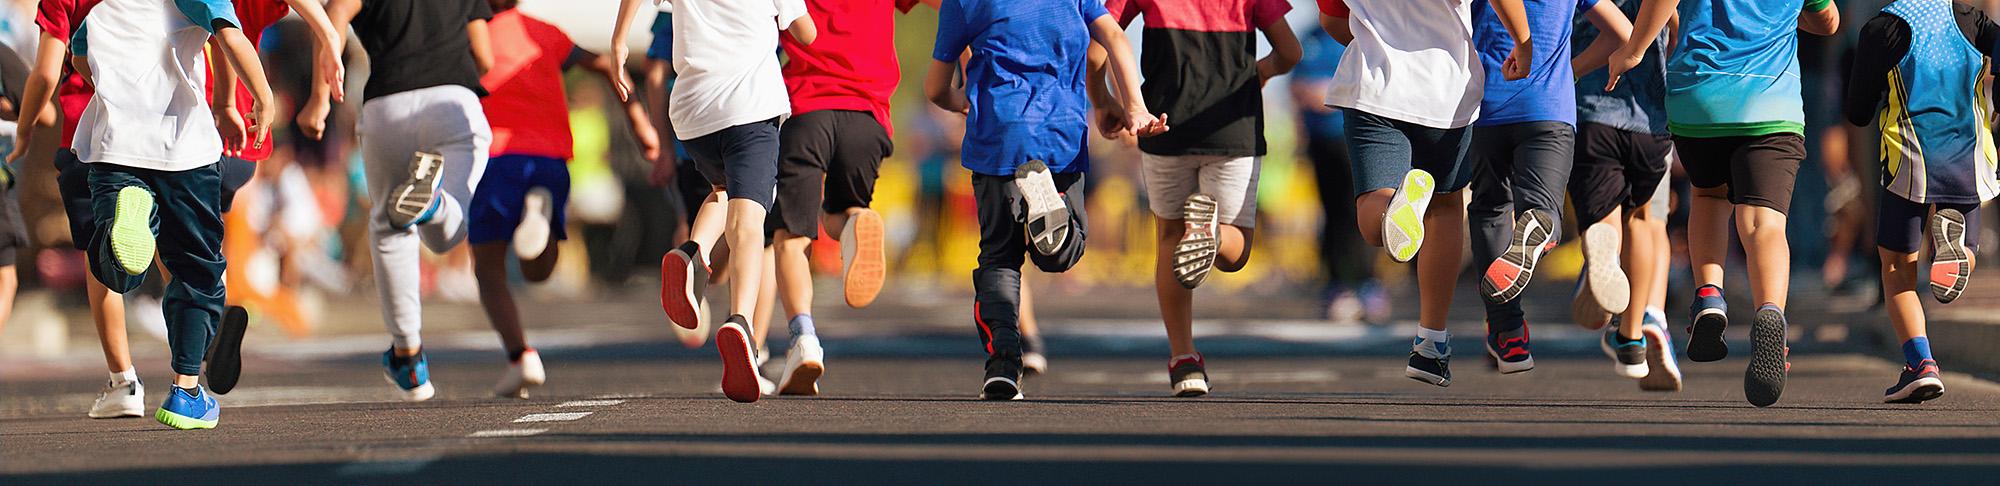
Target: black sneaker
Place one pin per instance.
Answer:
(225, 353)
(1534, 234)
(1190, 375)
(1033, 362)
(1003, 379)
(1628, 357)
(1435, 371)
(1916, 385)
(1764, 380)
(1510, 351)
(1711, 317)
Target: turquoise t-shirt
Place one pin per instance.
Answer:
(1736, 69)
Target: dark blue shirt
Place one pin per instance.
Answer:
(1321, 58)
(1025, 80)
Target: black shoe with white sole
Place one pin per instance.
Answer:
(1916, 385)
(1003, 379)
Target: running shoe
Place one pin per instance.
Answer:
(412, 376)
(739, 367)
(523, 374)
(1764, 380)
(1033, 362)
(1190, 375)
(1194, 256)
(1003, 379)
(1951, 264)
(866, 262)
(225, 352)
(188, 409)
(132, 238)
(1663, 373)
(1403, 224)
(416, 200)
(1429, 362)
(694, 338)
(120, 399)
(683, 283)
(1583, 307)
(1510, 350)
(765, 387)
(1628, 358)
(1711, 317)
(1048, 215)
(804, 363)
(1534, 234)
(532, 236)
(1606, 280)
(1916, 385)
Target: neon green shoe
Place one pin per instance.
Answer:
(1403, 225)
(185, 409)
(132, 230)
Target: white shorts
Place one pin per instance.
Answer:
(1231, 180)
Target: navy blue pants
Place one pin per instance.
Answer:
(187, 221)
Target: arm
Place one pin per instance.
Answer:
(1884, 41)
(1653, 16)
(222, 99)
(1285, 51)
(1338, 28)
(243, 56)
(635, 111)
(940, 89)
(803, 30)
(1825, 21)
(1612, 30)
(1514, 17)
(327, 45)
(627, 10)
(312, 116)
(1124, 74)
(41, 88)
(482, 48)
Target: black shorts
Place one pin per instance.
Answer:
(1899, 224)
(13, 228)
(235, 174)
(73, 186)
(1615, 168)
(828, 161)
(1759, 170)
(743, 159)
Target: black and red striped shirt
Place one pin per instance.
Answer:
(1200, 65)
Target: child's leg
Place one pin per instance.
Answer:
(1071, 186)
(1762, 178)
(1381, 155)
(848, 194)
(1176, 301)
(1437, 271)
(107, 310)
(1534, 160)
(386, 149)
(489, 267)
(108, 185)
(1233, 183)
(191, 248)
(1169, 182)
(767, 298)
(996, 282)
(1899, 234)
(462, 137)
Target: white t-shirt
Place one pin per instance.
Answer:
(146, 61)
(1411, 60)
(726, 54)
(666, 7)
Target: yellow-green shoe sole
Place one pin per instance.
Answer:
(132, 230)
(1403, 227)
(182, 422)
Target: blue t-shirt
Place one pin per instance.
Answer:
(1321, 58)
(1736, 70)
(1639, 104)
(1549, 91)
(1025, 80)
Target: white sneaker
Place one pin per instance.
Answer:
(804, 363)
(765, 387)
(120, 400)
(521, 376)
(531, 237)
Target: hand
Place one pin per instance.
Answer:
(663, 171)
(1266, 69)
(262, 113)
(649, 140)
(1111, 123)
(1145, 124)
(1519, 61)
(622, 83)
(20, 147)
(332, 71)
(312, 118)
(1620, 63)
(230, 125)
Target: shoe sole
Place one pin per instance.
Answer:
(681, 286)
(1633, 371)
(182, 422)
(1034, 363)
(132, 240)
(1509, 275)
(1705, 343)
(1606, 281)
(1425, 376)
(1195, 255)
(1923, 390)
(739, 367)
(418, 394)
(1191, 388)
(529, 381)
(416, 199)
(531, 237)
(1764, 380)
(803, 380)
(1507, 368)
(867, 261)
(1403, 223)
(1662, 373)
(133, 412)
(1951, 269)
(1001, 389)
(225, 361)
(1048, 215)
(1585, 311)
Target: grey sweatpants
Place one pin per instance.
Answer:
(1520, 166)
(446, 120)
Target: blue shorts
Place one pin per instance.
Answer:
(1384, 149)
(496, 203)
(663, 37)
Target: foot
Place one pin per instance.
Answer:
(1190, 375)
(1711, 317)
(1003, 380)
(522, 374)
(416, 200)
(1663, 372)
(1764, 380)
(1033, 362)
(1535, 233)
(1951, 263)
(1583, 307)
(694, 338)
(804, 363)
(188, 409)
(765, 387)
(1510, 350)
(1628, 357)
(1606, 280)
(739, 369)
(866, 262)
(1194, 256)
(1916, 385)
(132, 238)
(532, 236)
(1048, 215)
(120, 399)
(412, 376)
(1403, 224)
(683, 281)
(1435, 371)
(225, 353)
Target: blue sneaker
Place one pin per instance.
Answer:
(1917, 385)
(1663, 373)
(1509, 350)
(1711, 316)
(188, 409)
(1429, 363)
(412, 377)
(1628, 358)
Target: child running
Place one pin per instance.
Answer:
(1927, 67)
(1027, 121)
(1735, 108)
(1411, 83)
(524, 192)
(160, 189)
(1202, 180)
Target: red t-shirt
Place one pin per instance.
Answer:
(852, 64)
(1333, 8)
(59, 18)
(256, 15)
(526, 105)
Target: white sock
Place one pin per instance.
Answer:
(1656, 315)
(127, 376)
(1426, 336)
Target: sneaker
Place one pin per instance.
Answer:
(1663, 373)
(739, 369)
(1003, 380)
(532, 236)
(1190, 375)
(1711, 317)
(765, 387)
(1435, 371)
(683, 282)
(1916, 385)
(1606, 281)
(1033, 362)
(120, 400)
(1628, 358)
(1534, 235)
(1048, 215)
(804, 363)
(1951, 268)
(188, 409)
(411, 376)
(416, 200)
(694, 338)
(132, 238)
(1403, 224)
(1510, 350)
(866, 262)
(1764, 380)
(225, 352)
(522, 374)
(1583, 307)
(1194, 256)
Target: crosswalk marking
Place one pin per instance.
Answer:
(551, 417)
(589, 403)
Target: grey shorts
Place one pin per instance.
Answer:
(1231, 180)
(1384, 149)
(744, 158)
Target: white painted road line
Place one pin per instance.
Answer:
(589, 403)
(507, 433)
(551, 417)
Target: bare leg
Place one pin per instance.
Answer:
(107, 309)
(10, 283)
(1708, 234)
(1899, 293)
(1176, 302)
(540, 268)
(1438, 260)
(710, 219)
(794, 281)
(1234, 251)
(1763, 232)
(745, 233)
(1370, 209)
(1026, 320)
(489, 267)
(767, 298)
